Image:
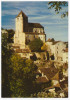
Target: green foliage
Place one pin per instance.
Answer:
(18, 75)
(10, 35)
(35, 45)
(6, 53)
(44, 47)
(43, 95)
(22, 76)
(4, 40)
(58, 5)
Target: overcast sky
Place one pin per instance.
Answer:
(37, 12)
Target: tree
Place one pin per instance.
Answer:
(45, 47)
(11, 33)
(35, 45)
(6, 53)
(58, 5)
(22, 76)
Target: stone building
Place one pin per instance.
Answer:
(26, 32)
(65, 56)
(57, 48)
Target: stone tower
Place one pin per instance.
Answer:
(21, 24)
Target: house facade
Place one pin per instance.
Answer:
(57, 48)
(65, 56)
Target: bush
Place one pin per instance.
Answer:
(36, 45)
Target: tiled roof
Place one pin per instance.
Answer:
(55, 42)
(41, 79)
(50, 40)
(36, 25)
(23, 14)
(36, 33)
(50, 73)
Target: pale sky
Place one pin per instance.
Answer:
(37, 12)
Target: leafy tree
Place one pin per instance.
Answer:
(35, 45)
(22, 77)
(6, 53)
(58, 5)
(11, 33)
(44, 47)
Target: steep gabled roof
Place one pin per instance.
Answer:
(23, 14)
(36, 25)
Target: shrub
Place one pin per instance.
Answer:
(36, 45)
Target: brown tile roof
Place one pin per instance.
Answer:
(51, 73)
(36, 25)
(50, 40)
(55, 42)
(41, 79)
(56, 76)
(23, 14)
(32, 33)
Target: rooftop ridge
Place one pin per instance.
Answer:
(23, 14)
(38, 25)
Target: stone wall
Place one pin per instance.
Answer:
(31, 37)
(39, 30)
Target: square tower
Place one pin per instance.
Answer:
(21, 23)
